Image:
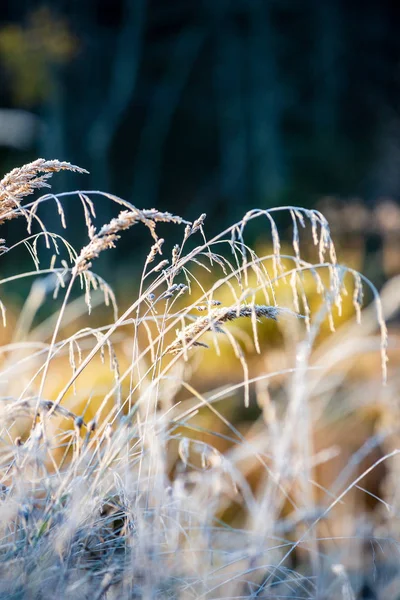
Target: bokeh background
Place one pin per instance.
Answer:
(213, 106)
(221, 106)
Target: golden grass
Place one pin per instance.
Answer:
(125, 474)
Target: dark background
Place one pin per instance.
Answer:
(212, 106)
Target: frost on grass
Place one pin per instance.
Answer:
(107, 489)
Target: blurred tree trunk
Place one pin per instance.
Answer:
(115, 101)
(328, 54)
(265, 106)
(162, 106)
(229, 82)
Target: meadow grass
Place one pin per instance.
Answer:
(128, 471)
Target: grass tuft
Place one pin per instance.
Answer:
(139, 461)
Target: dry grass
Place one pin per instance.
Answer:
(129, 478)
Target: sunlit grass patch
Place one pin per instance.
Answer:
(206, 440)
